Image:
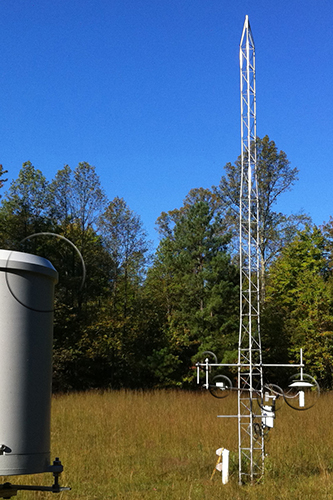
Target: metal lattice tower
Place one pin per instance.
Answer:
(256, 400)
(250, 374)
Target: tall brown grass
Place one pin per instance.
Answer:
(161, 445)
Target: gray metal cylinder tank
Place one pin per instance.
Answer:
(26, 334)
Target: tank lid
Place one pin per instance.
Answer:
(12, 260)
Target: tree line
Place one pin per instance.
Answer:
(143, 318)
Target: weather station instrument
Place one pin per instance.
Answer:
(27, 285)
(256, 400)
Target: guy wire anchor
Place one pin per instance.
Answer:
(8, 490)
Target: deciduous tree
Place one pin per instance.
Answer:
(126, 241)
(25, 207)
(298, 297)
(275, 177)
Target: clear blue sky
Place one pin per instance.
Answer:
(147, 91)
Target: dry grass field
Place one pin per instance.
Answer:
(161, 445)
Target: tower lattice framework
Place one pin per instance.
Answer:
(250, 371)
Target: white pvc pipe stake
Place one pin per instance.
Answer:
(207, 368)
(225, 466)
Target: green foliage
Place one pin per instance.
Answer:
(25, 207)
(299, 297)
(167, 220)
(62, 205)
(193, 277)
(2, 173)
(142, 322)
(125, 240)
(275, 177)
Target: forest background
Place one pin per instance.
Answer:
(144, 317)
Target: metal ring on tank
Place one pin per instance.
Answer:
(46, 234)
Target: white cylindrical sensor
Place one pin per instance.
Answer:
(301, 399)
(268, 416)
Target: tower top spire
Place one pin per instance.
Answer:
(247, 33)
